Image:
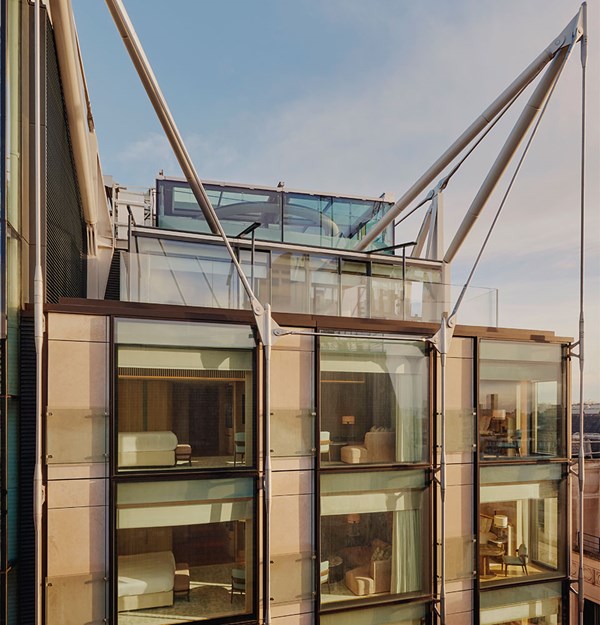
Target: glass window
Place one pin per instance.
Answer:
(333, 222)
(521, 533)
(237, 209)
(521, 401)
(540, 605)
(374, 401)
(184, 395)
(324, 285)
(354, 290)
(380, 615)
(290, 288)
(182, 273)
(185, 550)
(374, 535)
(302, 218)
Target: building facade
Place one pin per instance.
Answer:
(193, 473)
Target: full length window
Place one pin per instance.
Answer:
(185, 395)
(526, 605)
(521, 401)
(380, 615)
(185, 550)
(374, 401)
(374, 535)
(521, 532)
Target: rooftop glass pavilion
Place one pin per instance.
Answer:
(296, 250)
(281, 215)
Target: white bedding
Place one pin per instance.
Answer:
(146, 573)
(147, 441)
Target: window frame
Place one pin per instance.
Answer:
(418, 596)
(114, 401)
(145, 475)
(427, 422)
(424, 465)
(563, 433)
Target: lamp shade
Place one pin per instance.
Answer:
(348, 420)
(499, 415)
(500, 520)
(353, 519)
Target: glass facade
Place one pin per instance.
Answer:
(185, 395)
(185, 540)
(374, 401)
(374, 535)
(185, 545)
(353, 413)
(200, 273)
(380, 615)
(521, 401)
(287, 217)
(521, 533)
(374, 526)
(522, 525)
(540, 604)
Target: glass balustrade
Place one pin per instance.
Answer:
(201, 274)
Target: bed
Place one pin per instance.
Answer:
(146, 580)
(147, 449)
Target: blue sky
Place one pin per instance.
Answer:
(361, 97)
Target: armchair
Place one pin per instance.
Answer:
(378, 446)
(372, 568)
(519, 560)
(374, 577)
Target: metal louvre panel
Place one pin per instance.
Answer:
(65, 227)
(201, 374)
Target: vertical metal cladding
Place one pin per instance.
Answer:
(26, 563)
(65, 226)
(113, 286)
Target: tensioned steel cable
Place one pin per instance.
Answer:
(466, 155)
(581, 463)
(510, 185)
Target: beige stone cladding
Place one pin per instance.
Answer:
(76, 427)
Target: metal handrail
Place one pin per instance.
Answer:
(591, 544)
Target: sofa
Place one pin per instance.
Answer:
(372, 572)
(146, 449)
(378, 446)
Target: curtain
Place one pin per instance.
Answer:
(407, 552)
(409, 401)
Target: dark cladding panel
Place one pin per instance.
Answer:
(26, 562)
(65, 227)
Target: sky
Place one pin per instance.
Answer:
(360, 98)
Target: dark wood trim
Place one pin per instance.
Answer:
(318, 322)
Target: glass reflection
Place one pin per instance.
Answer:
(184, 550)
(184, 400)
(300, 218)
(523, 605)
(521, 533)
(521, 411)
(374, 401)
(373, 535)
